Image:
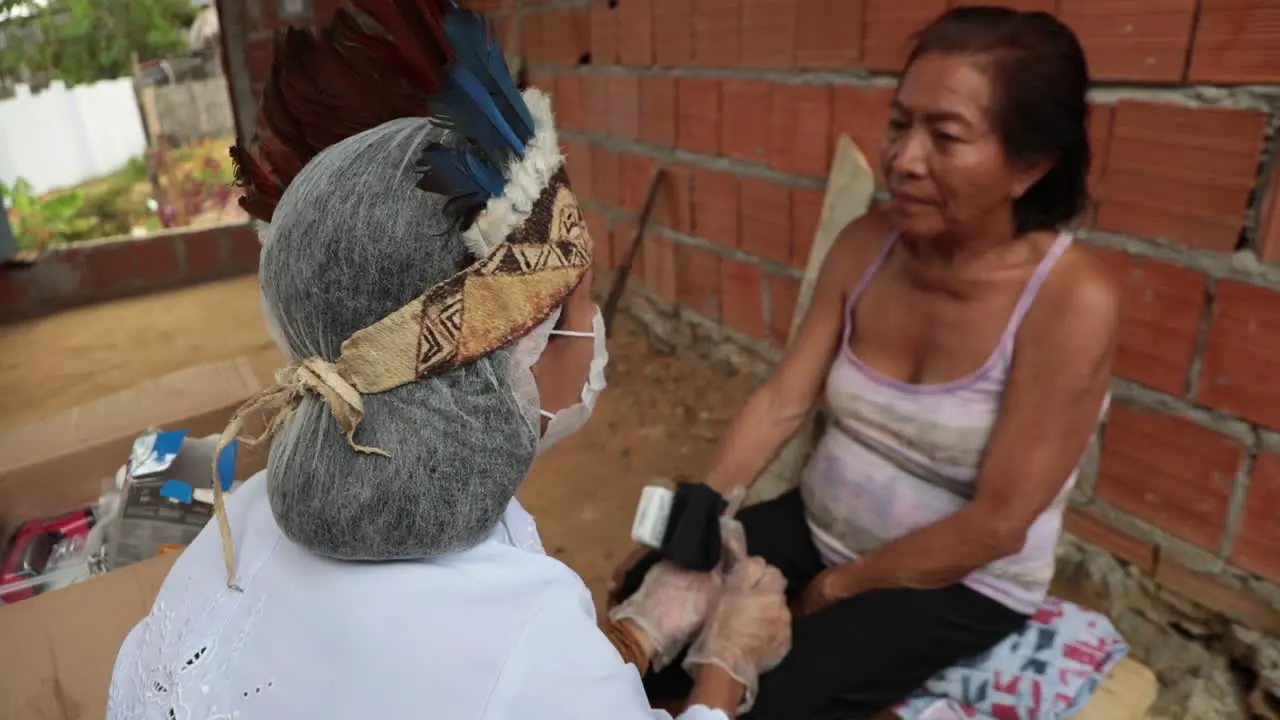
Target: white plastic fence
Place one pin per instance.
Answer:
(64, 136)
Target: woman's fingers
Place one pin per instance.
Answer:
(624, 568)
(734, 539)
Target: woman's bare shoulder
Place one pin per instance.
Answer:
(860, 243)
(1081, 296)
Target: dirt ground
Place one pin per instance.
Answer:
(659, 418)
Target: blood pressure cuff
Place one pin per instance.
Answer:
(692, 540)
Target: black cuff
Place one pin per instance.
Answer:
(692, 540)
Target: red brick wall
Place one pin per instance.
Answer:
(742, 101)
(114, 267)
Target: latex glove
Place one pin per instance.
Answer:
(669, 607)
(749, 632)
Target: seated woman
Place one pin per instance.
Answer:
(962, 345)
(431, 289)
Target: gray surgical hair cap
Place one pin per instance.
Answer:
(351, 241)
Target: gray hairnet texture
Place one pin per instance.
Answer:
(352, 240)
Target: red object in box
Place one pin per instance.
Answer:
(32, 546)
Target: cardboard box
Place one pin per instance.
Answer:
(57, 650)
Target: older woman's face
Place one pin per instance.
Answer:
(943, 162)
(561, 370)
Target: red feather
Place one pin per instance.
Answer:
(381, 61)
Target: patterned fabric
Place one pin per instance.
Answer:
(1049, 671)
(494, 301)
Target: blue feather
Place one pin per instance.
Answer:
(458, 174)
(475, 49)
(468, 106)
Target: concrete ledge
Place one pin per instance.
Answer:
(110, 268)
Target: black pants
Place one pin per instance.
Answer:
(858, 656)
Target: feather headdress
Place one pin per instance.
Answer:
(501, 170)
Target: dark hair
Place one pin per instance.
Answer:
(1041, 79)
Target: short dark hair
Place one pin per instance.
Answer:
(1041, 81)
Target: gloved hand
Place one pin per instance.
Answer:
(749, 632)
(669, 607)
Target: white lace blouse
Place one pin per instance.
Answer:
(501, 631)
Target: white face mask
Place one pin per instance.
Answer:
(570, 420)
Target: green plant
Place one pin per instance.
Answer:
(39, 221)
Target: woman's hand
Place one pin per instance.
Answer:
(620, 573)
(828, 588)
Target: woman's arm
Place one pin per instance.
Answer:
(1060, 375)
(776, 410)
(632, 643)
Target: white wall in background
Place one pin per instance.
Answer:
(64, 136)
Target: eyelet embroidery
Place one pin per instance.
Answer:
(194, 685)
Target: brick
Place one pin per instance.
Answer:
(624, 106)
(602, 247)
(717, 33)
(635, 32)
(1169, 471)
(1100, 119)
(605, 175)
(1049, 6)
(783, 294)
(243, 249)
(504, 30)
(110, 268)
(1161, 312)
(769, 34)
(1268, 234)
(660, 266)
(745, 113)
(698, 115)
(672, 33)
(533, 48)
(1209, 591)
(596, 103)
(828, 34)
(1134, 40)
(565, 35)
(543, 77)
(800, 127)
(888, 26)
(673, 207)
(156, 260)
(765, 219)
(1240, 369)
(1094, 530)
(715, 207)
(576, 36)
(742, 298)
(604, 34)
(806, 213)
(621, 239)
(1257, 547)
(698, 280)
(658, 110)
(203, 251)
(863, 115)
(1237, 42)
(577, 154)
(567, 102)
(636, 173)
(1179, 174)
(15, 288)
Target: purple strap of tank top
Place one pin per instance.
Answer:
(1020, 310)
